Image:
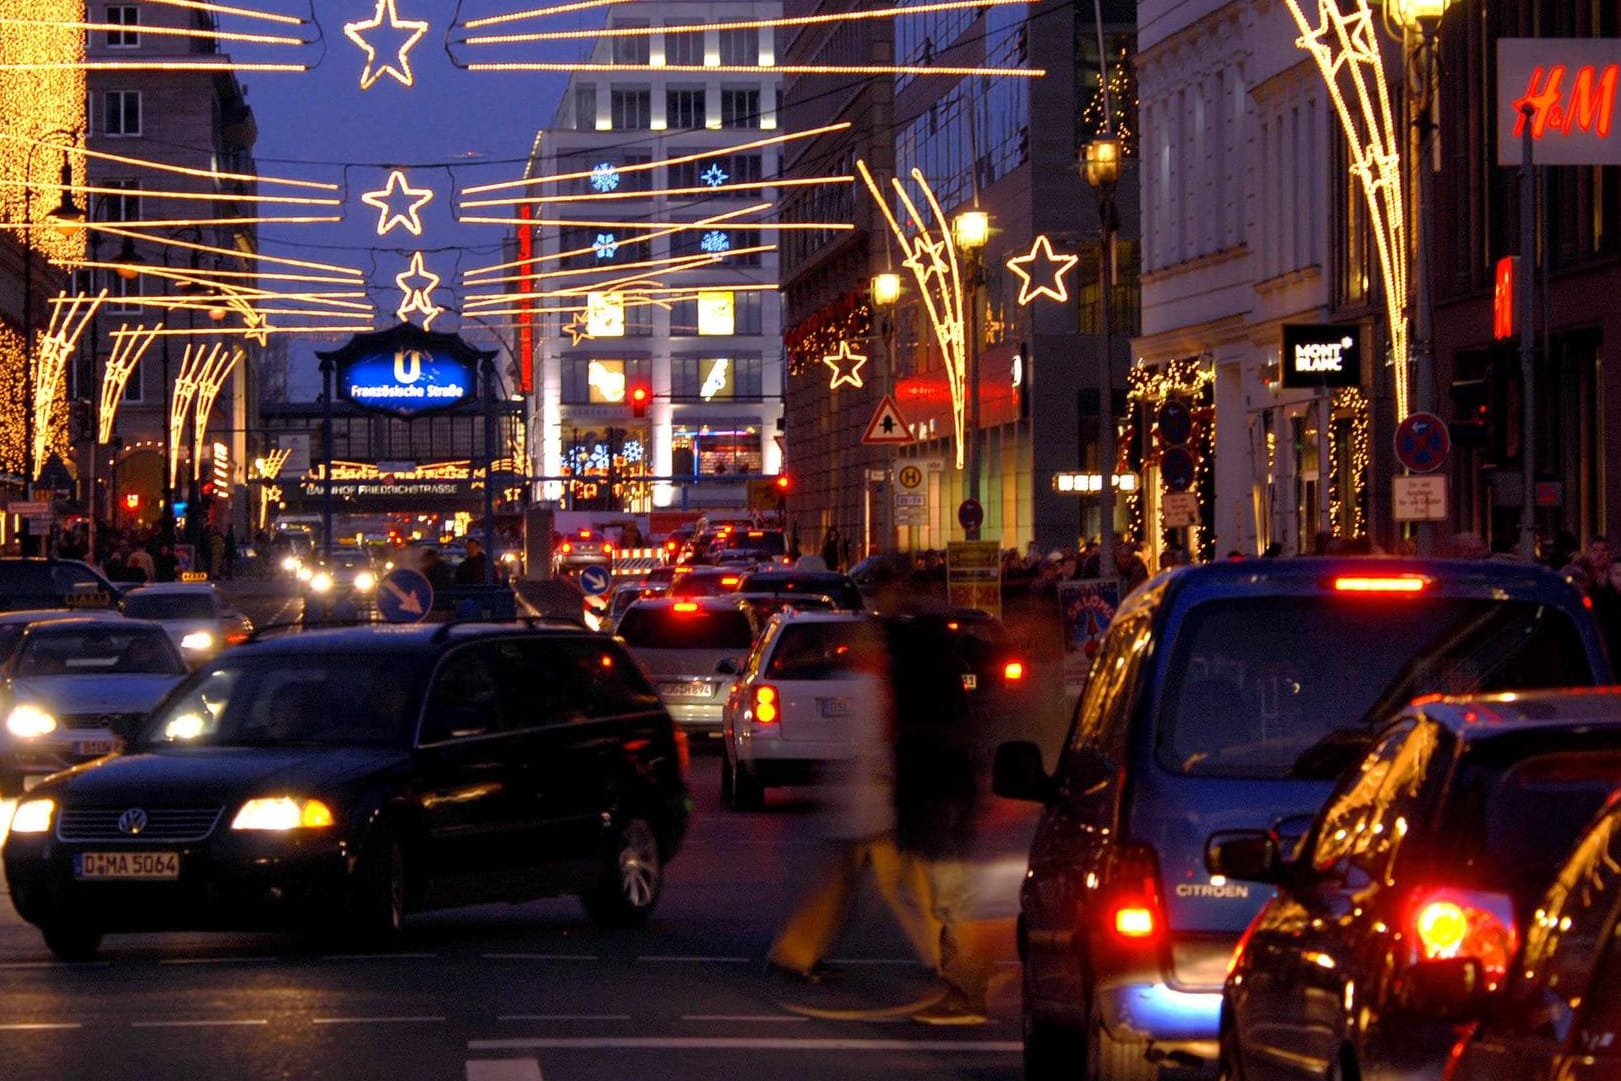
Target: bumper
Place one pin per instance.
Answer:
(1174, 1020)
(697, 720)
(229, 882)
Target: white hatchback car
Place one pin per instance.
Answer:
(813, 682)
(198, 617)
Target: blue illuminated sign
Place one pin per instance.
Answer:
(407, 381)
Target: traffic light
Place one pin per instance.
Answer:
(638, 400)
(1471, 412)
(783, 483)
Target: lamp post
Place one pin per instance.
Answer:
(971, 229)
(886, 292)
(1100, 164)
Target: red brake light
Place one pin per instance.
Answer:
(1379, 583)
(1013, 671)
(1134, 922)
(567, 547)
(730, 581)
(1131, 901)
(685, 606)
(1466, 923)
(765, 704)
(607, 549)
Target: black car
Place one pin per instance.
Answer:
(34, 582)
(344, 778)
(1438, 846)
(1224, 696)
(837, 589)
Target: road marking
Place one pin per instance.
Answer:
(39, 1026)
(729, 1043)
(379, 1020)
(198, 1024)
(380, 957)
(54, 964)
(218, 960)
(680, 959)
(541, 957)
(564, 1017)
(751, 1018)
(503, 1069)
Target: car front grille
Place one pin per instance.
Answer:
(168, 824)
(84, 721)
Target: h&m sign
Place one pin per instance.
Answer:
(1317, 355)
(1563, 92)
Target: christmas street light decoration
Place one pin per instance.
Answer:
(211, 376)
(129, 346)
(383, 200)
(1034, 282)
(69, 317)
(399, 68)
(418, 298)
(846, 365)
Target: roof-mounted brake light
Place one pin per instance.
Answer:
(1380, 583)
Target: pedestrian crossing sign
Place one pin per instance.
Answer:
(887, 426)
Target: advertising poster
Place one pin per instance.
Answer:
(974, 576)
(1086, 606)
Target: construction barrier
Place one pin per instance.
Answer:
(628, 562)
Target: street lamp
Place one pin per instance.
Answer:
(970, 230)
(1100, 164)
(886, 292)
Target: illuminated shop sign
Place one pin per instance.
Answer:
(1570, 86)
(1319, 355)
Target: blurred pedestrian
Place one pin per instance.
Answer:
(830, 548)
(140, 567)
(473, 570)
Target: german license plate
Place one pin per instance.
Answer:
(138, 866)
(696, 689)
(93, 748)
(970, 681)
(835, 707)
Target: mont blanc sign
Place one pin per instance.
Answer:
(406, 371)
(1570, 87)
(1319, 355)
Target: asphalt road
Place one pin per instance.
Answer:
(523, 992)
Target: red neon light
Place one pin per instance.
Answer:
(526, 316)
(1591, 106)
(1503, 297)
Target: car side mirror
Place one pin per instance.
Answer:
(1017, 773)
(1248, 855)
(1450, 989)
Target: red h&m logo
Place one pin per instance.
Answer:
(1503, 297)
(1590, 106)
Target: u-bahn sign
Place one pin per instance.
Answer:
(406, 371)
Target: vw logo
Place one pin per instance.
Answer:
(132, 821)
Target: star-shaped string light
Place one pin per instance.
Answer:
(714, 176)
(575, 328)
(383, 200)
(418, 298)
(1054, 267)
(841, 373)
(926, 258)
(410, 31)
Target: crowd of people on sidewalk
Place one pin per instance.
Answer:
(142, 554)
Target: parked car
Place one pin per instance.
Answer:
(33, 582)
(691, 647)
(810, 677)
(1436, 846)
(69, 686)
(1231, 695)
(1554, 1016)
(335, 781)
(199, 619)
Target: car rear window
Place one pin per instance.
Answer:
(1294, 687)
(840, 593)
(701, 628)
(825, 650)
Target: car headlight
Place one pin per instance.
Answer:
(321, 583)
(290, 564)
(33, 816)
(304, 573)
(282, 813)
(186, 726)
(196, 640)
(365, 580)
(28, 721)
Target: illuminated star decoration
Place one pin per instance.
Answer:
(606, 246)
(258, 327)
(841, 374)
(604, 177)
(714, 176)
(417, 298)
(575, 328)
(1058, 266)
(383, 200)
(925, 259)
(715, 242)
(410, 31)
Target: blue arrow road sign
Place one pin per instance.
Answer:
(404, 596)
(595, 580)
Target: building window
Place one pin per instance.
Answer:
(720, 170)
(714, 450)
(684, 50)
(747, 309)
(585, 108)
(632, 110)
(714, 378)
(740, 47)
(601, 380)
(684, 108)
(121, 112)
(739, 108)
(118, 289)
(128, 17)
(633, 48)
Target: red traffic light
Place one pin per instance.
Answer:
(783, 483)
(638, 400)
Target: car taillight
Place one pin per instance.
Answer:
(567, 547)
(1013, 671)
(1380, 583)
(685, 606)
(607, 549)
(1130, 898)
(766, 710)
(1465, 923)
(237, 637)
(729, 581)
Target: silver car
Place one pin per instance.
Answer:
(199, 619)
(692, 648)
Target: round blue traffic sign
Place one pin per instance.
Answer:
(404, 596)
(1422, 442)
(595, 580)
(970, 515)
(1177, 467)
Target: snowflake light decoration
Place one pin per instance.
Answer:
(604, 177)
(715, 242)
(714, 176)
(606, 245)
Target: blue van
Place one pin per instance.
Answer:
(1229, 696)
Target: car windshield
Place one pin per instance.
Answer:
(1294, 686)
(97, 650)
(699, 628)
(169, 606)
(282, 699)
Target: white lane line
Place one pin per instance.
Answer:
(218, 960)
(541, 957)
(729, 1043)
(379, 1020)
(751, 1018)
(694, 960)
(379, 957)
(503, 1069)
(563, 1017)
(200, 1024)
(39, 1026)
